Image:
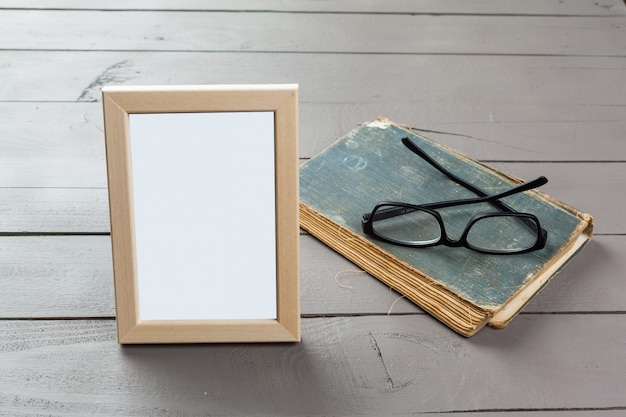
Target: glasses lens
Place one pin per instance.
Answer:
(408, 225)
(504, 233)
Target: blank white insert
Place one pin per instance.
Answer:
(205, 215)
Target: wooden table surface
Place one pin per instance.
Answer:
(535, 88)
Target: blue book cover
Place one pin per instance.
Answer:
(462, 288)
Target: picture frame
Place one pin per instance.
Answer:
(203, 198)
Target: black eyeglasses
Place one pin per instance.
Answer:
(504, 232)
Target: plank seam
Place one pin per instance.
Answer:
(286, 52)
(312, 12)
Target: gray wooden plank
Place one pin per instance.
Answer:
(593, 281)
(542, 128)
(594, 277)
(569, 361)
(331, 78)
(601, 412)
(218, 31)
(71, 276)
(378, 365)
(43, 134)
(487, 131)
(541, 7)
(54, 210)
(56, 276)
(595, 188)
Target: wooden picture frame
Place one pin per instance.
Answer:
(193, 213)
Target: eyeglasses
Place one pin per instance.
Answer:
(503, 232)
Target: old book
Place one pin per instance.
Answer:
(464, 289)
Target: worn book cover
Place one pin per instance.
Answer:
(462, 288)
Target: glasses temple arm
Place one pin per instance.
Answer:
(490, 198)
(398, 211)
(418, 151)
(494, 198)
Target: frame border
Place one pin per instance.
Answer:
(282, 99)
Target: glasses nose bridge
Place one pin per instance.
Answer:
(453, 243)
(445, 238)
(454, 231)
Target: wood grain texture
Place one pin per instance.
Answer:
(41, 210)
(436, 79)
(563, 356)
(491, 131)
(72, 276)
(56, 276)
(344, 366)
(495, 7)
(282, 101)
(591, 187)
(335, 33)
